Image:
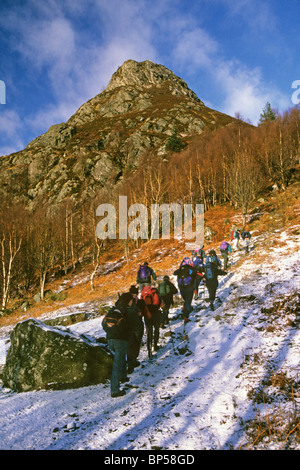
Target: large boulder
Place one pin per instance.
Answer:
(45, 357)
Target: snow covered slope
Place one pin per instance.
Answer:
(229, 381)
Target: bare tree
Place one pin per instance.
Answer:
(244, 181)
(10, 245)
(11, 239)
(46, 244)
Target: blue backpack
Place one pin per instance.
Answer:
(209, 271)
(224, 246)
(185, 276)
(186, 261)
(198, 262)
(246, 235)
(144, 272)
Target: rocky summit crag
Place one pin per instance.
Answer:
(142, 106)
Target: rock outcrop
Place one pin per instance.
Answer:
(45, 357)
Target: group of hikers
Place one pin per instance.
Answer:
(146, 306)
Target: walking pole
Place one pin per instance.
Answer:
(171, 334)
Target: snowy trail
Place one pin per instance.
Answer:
(185, 399)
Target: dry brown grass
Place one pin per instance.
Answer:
(276, 425)
(107, 286)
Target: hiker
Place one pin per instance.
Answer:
(152, 317)
(198, 252)
(185, 278)
(212, 271)
(166, 290)
(212, 255)
(225, 248)
(145, 275)
(135, 317)
(246, 236)
(117, 328)
(235, 237)
(198, 264)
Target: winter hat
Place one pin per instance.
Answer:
(133, 290)
(166, 278)
(124, 300)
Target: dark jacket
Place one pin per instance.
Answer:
(182, 273)
(245, 235)
(135, 312)
(123, 332)
(216, 272)
(168, 299)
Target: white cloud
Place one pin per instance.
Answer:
(10, 127)
(245, 90)
(54, 48)
(49, 42)
(196, 47)
(240, 89)
(73, 48)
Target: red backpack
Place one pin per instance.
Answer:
(150, 296)
(152, 301)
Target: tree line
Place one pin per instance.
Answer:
(232, 165)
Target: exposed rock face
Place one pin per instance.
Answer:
(57, 136)
(45, 357)
(138, 111)
(146, 74)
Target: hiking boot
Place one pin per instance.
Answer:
(126, 379)
(121, 393)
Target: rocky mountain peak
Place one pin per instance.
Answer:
(139, 111)
(146, 74)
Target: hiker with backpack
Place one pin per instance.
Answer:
(225, 248)
(235, 237)
(166, 290)
(198, 264)
(152, 317)
(135, 311)
(212, 271)
(186, 274)
(246, 237)
(117, 328)
(198, 252)
(145, 275)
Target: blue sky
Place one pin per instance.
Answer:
(55, 55)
